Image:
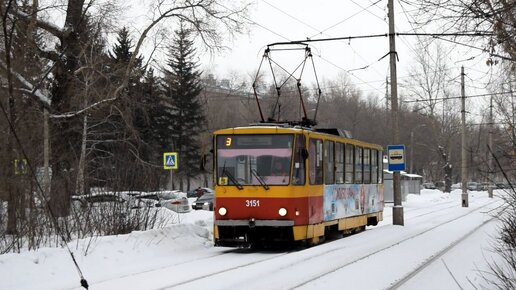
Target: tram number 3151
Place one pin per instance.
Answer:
(252, 203)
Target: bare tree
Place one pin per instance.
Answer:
(496, 16)
(79, 84)
(428, 77)
(429, 87)
(209, 19)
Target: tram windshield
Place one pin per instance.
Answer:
(254, 159)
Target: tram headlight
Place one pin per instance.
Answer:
(282, 211)
(223, 211)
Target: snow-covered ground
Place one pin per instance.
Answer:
(441, 246)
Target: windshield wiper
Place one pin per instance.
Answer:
(260, 178)
(231, 177)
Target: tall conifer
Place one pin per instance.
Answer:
(182, 87)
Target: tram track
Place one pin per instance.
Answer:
(231, 251)
(335, 269)
(259, 262)
(408, 212)
(223, 271)
(206, 260)
(317, 255)
(449, 206)
(162, 267)
(436, 256)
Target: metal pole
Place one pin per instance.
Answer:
(171, 179)
(464, 169)
(411, 150)
(397, 211)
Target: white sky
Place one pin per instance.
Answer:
(287, 20)
(278, 21)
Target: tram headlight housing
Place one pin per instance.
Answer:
(223, 211)
(282, 211)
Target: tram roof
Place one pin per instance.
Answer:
(264, 128)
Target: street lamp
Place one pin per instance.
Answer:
(412, 146)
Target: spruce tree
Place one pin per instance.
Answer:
(182, 87)
(130, 119)
(154, 129)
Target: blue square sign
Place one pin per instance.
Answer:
(170, 160)
(396, 157)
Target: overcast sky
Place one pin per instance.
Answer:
(288, 20)
(278, 21)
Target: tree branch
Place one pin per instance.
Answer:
(41, 97)
(47, 26)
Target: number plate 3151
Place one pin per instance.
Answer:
(252, 203)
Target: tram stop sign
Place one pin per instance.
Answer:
(396, 157)
(170, 160)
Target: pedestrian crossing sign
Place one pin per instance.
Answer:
(170, 160)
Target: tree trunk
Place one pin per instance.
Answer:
(181, 183)
(11, 209)
(46, 156)
(65, 137)
(79, 186)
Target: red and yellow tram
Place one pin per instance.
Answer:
(278, 183)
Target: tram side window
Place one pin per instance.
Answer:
(374, 166)
(339, 163)
(299, 161)
(316, 164)
(348, 163)
(328, 162)
(359, 154)
(367, 165)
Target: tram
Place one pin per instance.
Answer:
(281, 183)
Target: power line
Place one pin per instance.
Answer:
(436, 35)
(449, 98)
(403, 40)
(253, 22)
(478, 48)
(363, 82)
(324, 31)
(293, 17)
(346, 19)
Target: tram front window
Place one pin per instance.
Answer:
(254, 159)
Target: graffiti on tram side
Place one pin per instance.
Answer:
(345, 200)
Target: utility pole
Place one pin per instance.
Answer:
(411, 170)
(490, 151)
(464, 169)
(397, 211)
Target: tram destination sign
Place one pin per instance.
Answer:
(396, 157)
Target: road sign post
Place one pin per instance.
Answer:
(396, 163)
(170, 162)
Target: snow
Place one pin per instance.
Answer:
(182, 256)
